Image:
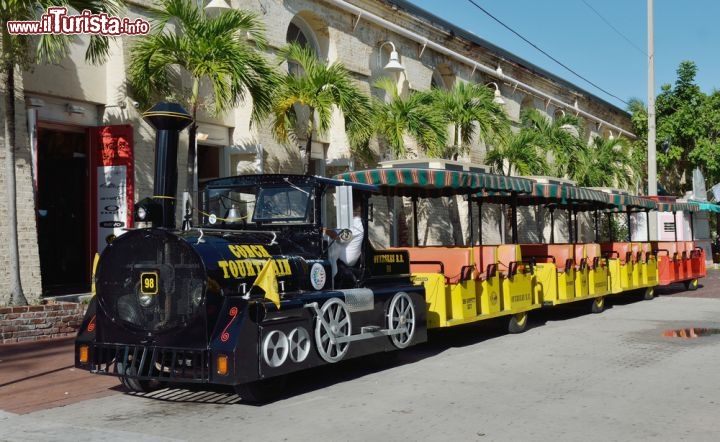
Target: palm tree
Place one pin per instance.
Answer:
(561, 137)
(215, 51)
(606, 162)
(307, 97)
(523, 154)
(21, 51)
(412, 116)
(471, 111)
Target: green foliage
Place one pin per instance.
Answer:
(21, 51)
(25, 50)
(523, 153)
(689, 121)
(561, 137)
(470, 110)
(304, 100)
(396, 117)
(605, 162)
(212, 50)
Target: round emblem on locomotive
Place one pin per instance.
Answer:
(212, 219)
(317, 276)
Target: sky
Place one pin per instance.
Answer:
(605, 41)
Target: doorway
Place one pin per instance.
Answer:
(62, 216)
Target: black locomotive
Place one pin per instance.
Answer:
(246, 297)
(186, 306)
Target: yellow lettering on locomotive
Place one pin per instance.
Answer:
(233, 269)
(241, 268)
(388, 259)
(261, 252)
(246, 251)
(149, 283)
(224, 266)
(248, 266)
(237, 251)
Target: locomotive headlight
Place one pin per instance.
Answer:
(141, 213)
(145, 300)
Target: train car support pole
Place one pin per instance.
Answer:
(480, 222)
(629, 226)
(470, 220)
(675, 224)
(571, 234)
(692, 227)
(597, 229)
(513, 209)
(577, 231)
(647, 223)
(415, 221)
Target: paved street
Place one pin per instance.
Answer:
(572, 376)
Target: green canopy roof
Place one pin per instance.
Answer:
(564, 195)
(436, 182)
(569, 195)
(676, 207)
(705, 206)
(621, 201)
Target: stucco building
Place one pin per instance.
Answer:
(66, 111)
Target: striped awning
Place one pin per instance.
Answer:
(570, 195)
(677, 207)
(563, 195)
(435, 182)
(624, 201)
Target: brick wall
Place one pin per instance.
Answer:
(36, 322)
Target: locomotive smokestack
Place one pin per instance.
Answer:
(168, 119)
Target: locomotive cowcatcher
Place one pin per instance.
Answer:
(188, 306)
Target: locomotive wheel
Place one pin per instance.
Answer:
(261, 391)
(401, 314)
(691, 285)
(518, 323)
(649, 293)
(598, 305)
(135, 385)
(333, 323)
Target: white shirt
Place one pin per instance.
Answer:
(348, 252)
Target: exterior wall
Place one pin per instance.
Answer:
(37, 322)
(340, 36)
(27, 230)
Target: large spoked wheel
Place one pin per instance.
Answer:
(598, 305)
(261, 391)
(518, 323)
(401, 316)
(333, 323)
(691, 285)
(649, 293)
(125, 374)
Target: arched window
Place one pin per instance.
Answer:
(300, 32)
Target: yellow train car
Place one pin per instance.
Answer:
(473, 281)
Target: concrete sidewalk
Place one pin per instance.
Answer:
(40, 375)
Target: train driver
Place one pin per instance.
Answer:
(347, 252)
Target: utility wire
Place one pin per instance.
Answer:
(545, 53)
(615, 29)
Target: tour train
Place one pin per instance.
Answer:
(248, 296)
